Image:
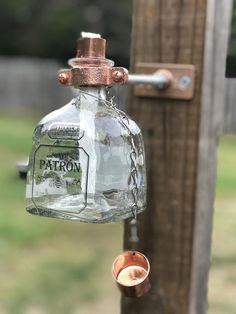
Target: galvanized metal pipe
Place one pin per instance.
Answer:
(160, 81)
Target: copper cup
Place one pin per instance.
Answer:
(130, 271)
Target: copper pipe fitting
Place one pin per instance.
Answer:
(91, 48)
(130, 271)
(90, 67)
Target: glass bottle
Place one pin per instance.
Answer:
(87, 162)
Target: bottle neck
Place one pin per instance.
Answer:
(93, 93)
(90, 98)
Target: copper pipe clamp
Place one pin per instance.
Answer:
(90, 66)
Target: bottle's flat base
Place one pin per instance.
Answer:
(43, 212)
(109, 206)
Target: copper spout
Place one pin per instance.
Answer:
(91, 48)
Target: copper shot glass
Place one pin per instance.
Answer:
(130, 271)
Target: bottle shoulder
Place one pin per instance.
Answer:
(104, 121)
(67, 112)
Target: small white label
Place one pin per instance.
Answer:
(60, 130)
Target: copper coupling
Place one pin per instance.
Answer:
(90, 66)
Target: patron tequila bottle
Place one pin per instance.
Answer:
(87, 160)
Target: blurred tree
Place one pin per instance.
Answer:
(231, 57)
(49, 28)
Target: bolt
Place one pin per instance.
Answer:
(63, 78)
(184, 81)
(117, 76)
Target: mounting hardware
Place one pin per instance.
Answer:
(160, 80)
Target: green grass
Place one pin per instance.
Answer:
(222, 283)
(50, 266)
(226, 180)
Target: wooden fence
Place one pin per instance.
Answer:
(29, 86)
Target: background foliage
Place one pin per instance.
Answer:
(49, 28)
(231, 57)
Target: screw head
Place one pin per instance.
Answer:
(184, 82)
(117, 76)
(63, 78)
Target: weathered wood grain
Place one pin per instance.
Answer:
(171, 135)
(211, 125)
(171, 31)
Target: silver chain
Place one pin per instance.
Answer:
(133, 239)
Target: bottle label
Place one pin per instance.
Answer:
(60, 130)
(58, 173)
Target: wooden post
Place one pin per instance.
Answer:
(211, 126)
(180, 140)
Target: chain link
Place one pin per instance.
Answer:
(133, 185)
(133, 238)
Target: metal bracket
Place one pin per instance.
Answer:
(175, 81)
